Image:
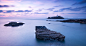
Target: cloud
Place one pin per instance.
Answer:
(24, 11)
(73, 13)
(30, 7)
(10, 0)
(85, 11)
(82, 2)
(72, 9)
(64, 9)
(9, 11)
(41, 13)
(58, 6)
(56, 11)
(51, 9)
(57, 0)
(4, 5)
(6, 11)
(28, 11)
(19, 11)
(1, 6)
(61, 0)
(38, 2)
(76, 13)
(2, 15)
(1, 11)
(39, 10)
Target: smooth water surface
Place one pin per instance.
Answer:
(75, 33)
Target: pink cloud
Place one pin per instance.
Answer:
(38, 2)
(10, 0)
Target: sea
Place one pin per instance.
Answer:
(75, 33)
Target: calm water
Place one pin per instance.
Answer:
(25, 35)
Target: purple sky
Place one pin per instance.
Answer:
(42, 8)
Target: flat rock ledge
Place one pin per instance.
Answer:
(81, 21)
(45, 34)
(14, 24)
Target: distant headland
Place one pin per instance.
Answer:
(55, 17)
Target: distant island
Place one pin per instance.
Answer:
(55, 17)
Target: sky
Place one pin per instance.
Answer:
(42, 8)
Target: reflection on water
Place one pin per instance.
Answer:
(25, 35)
(50, 43)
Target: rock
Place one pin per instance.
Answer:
(55, 17)
(49, 23)
(20, 23)
(14, 24)
(45, 34)
(82, 21)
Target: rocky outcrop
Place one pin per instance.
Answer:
(82, 21)
(45, 34)
(59, 17)
(14, 24)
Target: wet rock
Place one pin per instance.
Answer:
(14, 24)
(82, 21)
(45, 34)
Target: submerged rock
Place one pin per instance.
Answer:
(14, 24)
(49, 23)
(45, 34)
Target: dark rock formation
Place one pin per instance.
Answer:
(45, 34)
(14, 24)
(59, 17)
(82, 21)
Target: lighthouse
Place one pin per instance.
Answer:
(57, 15)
